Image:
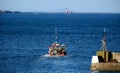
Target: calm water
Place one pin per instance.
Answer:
(24, 39)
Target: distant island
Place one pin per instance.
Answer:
(7, 11)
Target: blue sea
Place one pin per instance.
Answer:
(25, 37)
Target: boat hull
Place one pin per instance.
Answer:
(47, 55)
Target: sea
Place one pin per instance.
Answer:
(25, 37)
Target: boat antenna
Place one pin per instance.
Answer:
(56, 38)
(103, 47)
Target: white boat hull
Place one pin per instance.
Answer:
(47, 55)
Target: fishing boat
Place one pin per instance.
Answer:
(56, 49)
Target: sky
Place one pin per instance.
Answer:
(92, 6)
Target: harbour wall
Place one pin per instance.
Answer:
(116, 56)
(112, 65)
(105, 66)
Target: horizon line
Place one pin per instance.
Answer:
(54, 12)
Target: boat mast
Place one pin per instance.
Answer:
(56, 38)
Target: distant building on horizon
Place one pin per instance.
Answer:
(68, 11)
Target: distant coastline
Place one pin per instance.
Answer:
(8, 11)
(12, 12)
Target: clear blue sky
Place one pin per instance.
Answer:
(109, 6)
